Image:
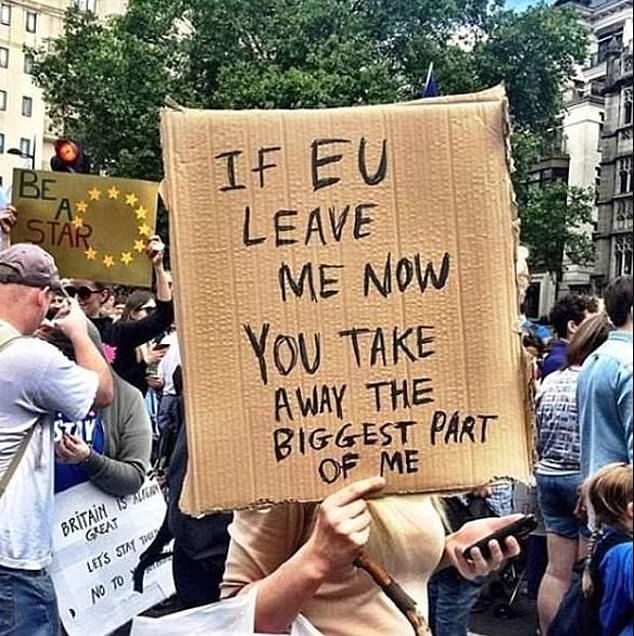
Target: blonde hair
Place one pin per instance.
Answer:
(609, 491)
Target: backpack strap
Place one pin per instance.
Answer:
(17, 458)
(15, 462)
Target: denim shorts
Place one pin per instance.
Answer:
(557, 496)
(28, 606)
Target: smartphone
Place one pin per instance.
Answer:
(520, 530)
(162, 346)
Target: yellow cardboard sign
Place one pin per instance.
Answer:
(96, 228)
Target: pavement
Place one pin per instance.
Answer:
(520, 621)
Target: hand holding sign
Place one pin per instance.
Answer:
(71, 450)
(8, 218)
(343, 527)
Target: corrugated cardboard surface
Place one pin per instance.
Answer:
(446, 191)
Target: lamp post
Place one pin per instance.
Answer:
(24, 155)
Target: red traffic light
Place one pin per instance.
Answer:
(69, 157)
(66, 151)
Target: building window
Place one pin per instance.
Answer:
(626, 107)
(86, 5)
(28, 63)
(31, 22)
(609, 41)
(25, 146)
(4, 57)
(27, 107)
(3, 100)
(623, 256)
(5, 14)
(623, 217)
(624, 184)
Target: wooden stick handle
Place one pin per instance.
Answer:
(400, 598)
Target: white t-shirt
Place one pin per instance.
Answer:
(168, 365)
(36, 381)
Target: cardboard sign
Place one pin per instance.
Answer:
(346, 299)
(97, 541)
(96, 228)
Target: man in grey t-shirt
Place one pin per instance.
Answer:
(36, 382)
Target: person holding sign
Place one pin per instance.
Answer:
(127, 335)
(301, 558)
(36, 381)
(110, 447)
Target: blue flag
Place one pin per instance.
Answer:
(431, 85)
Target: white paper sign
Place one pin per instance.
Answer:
(97, 541)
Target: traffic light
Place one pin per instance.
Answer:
(69, 157)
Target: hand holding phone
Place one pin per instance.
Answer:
(519, 529)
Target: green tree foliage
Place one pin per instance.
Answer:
(553, 224)
(105, 82)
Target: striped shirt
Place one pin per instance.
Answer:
(559, 440)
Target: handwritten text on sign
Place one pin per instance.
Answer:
(97, 542)
(280, 355)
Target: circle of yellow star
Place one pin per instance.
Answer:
(81, 207)
(126, 258)
(94, 194)
(110, 261)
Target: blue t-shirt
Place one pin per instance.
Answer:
(91, 431)
(616, 575)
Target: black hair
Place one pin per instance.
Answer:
(571, 308)
(136, 300)
(618, 300)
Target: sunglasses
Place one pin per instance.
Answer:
(81, 293)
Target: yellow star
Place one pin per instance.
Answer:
(78, 222)
(131, 200)
(108, 261)
(94, 194)
(141, 214)
(126, 258)
(90, 254)
(113, 193)
(139, 246)
(145, 230)
(81, 207)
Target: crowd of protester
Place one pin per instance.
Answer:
(91, 390)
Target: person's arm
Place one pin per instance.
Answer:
(341, 531)
(156, 253)
(624, 399)
(134, 333)
(75, 327)
(124, 473)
